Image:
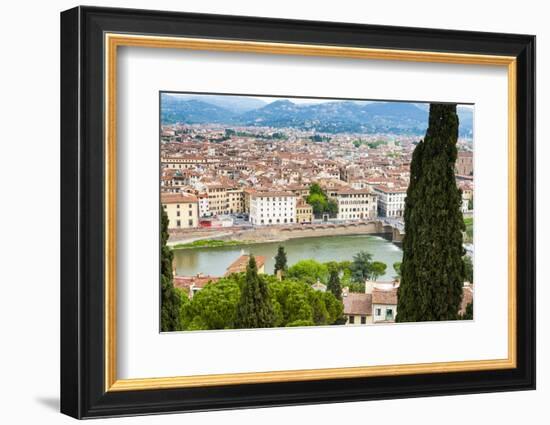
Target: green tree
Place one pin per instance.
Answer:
(280, 260)
(320, 203)
(296, 302)
(469, 313)
(331, 208)
(357, 287)
(432, 268)
(334, 286)
(308, 271)
(255, 309)
(171, 301)
(397, 268)
(468, 269)
(316, 189)
(377, 269)
(361, 266)
(214, 306)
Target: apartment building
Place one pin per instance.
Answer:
(268, 208)
(182, 210)
(391, 200)
(355, 204)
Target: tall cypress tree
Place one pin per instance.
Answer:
(280, 260)
(255, 309)
(170, 301)
(432, 271)
(334, 284)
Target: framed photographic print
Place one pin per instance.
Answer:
(261, 212)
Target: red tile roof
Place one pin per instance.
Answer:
(198, 281)
(239, 265)
(360, 304)
(382, 296)
(177, 198)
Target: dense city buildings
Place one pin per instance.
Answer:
(464, 165)
(261, 176)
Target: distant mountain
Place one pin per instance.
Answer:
(328, 117)
(174, 109)
(234, 104)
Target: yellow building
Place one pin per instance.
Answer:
(304, 212)
(224, 199)
(182, 210)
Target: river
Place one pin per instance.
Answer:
(214, 261)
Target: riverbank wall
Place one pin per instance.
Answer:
(281, 233)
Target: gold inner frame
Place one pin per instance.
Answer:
(113, 41)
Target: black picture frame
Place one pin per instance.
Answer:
(83, 392)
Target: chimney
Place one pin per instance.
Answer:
(369, 286)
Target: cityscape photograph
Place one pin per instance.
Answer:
(290, 211)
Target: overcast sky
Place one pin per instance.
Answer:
(298, 101)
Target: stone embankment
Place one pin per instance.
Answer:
(281, 233)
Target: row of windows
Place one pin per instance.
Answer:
(353, 209)
(279, 221)
(352, 320)
(353, 202)
(190, 222)
(190, 213)
(275, 199)
(378, 313)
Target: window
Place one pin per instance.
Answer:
(190, 213)
(177, 213)
(389, 314)
(177, 205)
(178, 223)
(378, 311)
(191, 223)
(363, 320)
(351, 320)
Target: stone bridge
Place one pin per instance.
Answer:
(283, 232)
(343, 228)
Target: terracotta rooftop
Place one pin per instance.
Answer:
(239, 265)
(382, 296)
(268, 194)
(360, 304)
(395, 189)
(198, 281)
(177, 198)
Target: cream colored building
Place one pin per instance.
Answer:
(182, 210)
(223, 199)
(356, 204)
(384, 300)
(357, 308)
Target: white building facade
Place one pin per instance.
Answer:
(391, 201)
(272, 208)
